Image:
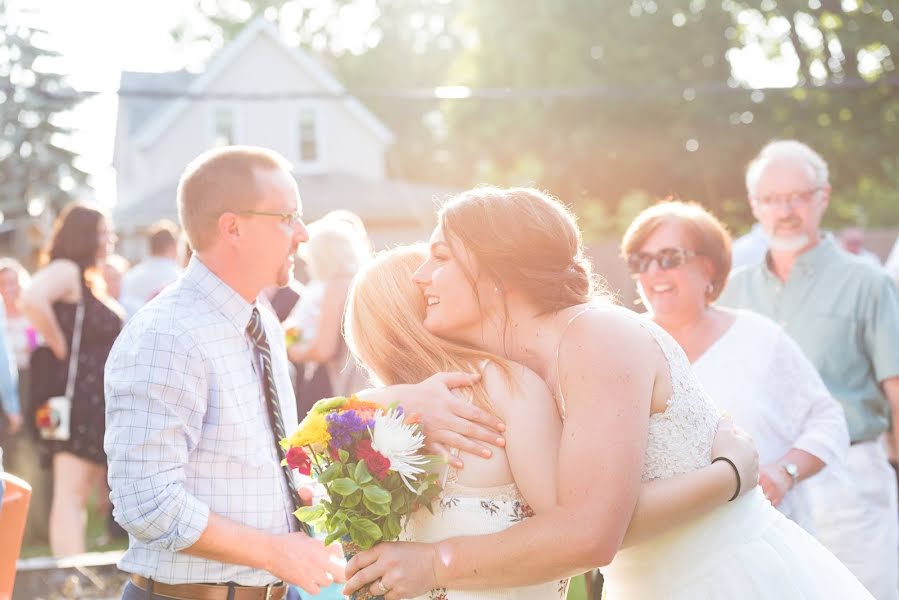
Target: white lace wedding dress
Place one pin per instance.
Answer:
(464, 510)
(744, 550)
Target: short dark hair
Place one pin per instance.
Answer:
(163, 236)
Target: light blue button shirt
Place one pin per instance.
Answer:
(187, 429)
(844, 314)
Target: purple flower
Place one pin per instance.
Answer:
(342, 426)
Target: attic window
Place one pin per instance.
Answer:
(307, 136)
(223, 126)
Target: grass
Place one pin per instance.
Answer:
(96, 530)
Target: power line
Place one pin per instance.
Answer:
(620, 92)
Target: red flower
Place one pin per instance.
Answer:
(298, 459)
(42, 418)
(377, 463)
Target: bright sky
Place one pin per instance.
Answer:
(98, 39)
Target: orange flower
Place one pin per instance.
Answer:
(356, 404)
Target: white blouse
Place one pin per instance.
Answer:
(759, 375)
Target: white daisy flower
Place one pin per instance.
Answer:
(399, 442)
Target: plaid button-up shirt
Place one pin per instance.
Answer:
(187, 429)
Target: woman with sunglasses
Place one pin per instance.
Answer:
(680, 256)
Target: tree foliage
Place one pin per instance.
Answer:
(599, 101)
(35, 166)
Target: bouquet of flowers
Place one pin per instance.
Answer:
(369, 460)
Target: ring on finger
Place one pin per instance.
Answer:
(382, 588)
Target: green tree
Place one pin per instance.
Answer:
(36, 169)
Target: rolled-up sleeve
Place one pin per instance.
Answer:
(821, 422)
(155, 386)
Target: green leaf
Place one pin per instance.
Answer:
(376, 494)
(392, 527)
(336, 535)
(398, 502)
(376, 507)
(361, 474)
(352, 500)
(364, 532)
(343, 486)
(330, 473)
(310, 514)
(343, 455)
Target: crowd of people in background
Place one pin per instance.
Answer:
(81, 274)
(790, 329)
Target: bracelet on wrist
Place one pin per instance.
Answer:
(736, 472)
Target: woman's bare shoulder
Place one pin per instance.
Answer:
(515, 389)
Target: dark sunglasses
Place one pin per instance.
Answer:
(667, 258)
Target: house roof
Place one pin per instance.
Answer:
(143, 109)
(389, 202)
(150, 124)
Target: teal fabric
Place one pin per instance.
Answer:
(844, 314)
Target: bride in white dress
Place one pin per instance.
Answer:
(384, 330)
(506, 274)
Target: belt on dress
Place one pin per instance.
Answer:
(211, 591)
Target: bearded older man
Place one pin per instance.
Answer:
(844, 314)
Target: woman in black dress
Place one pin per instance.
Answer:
(80, 242)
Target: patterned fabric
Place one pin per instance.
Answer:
(464, 510)
(257, 333)
(188, 432)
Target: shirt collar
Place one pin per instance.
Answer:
(810, 260)
(219, 294)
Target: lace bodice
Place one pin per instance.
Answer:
(679, 439)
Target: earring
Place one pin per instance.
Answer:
(709, 289)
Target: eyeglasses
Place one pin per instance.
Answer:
(667, 258)
(788, 199)
(289, 219)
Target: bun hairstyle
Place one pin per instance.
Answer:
(523, 240)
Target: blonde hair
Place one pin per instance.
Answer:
(218, 181)
(384, 330)
(706, 235)
(334, 250)
(522, 239)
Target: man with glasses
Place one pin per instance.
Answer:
(844, 314)
(198, 395)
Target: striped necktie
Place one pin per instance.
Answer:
(257, 334)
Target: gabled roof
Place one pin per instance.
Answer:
(143, 109)
(148, 130)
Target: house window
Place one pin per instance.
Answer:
(222, 126)
(307, 136)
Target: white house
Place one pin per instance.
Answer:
(336, 145)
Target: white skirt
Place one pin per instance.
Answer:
(745, 550)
